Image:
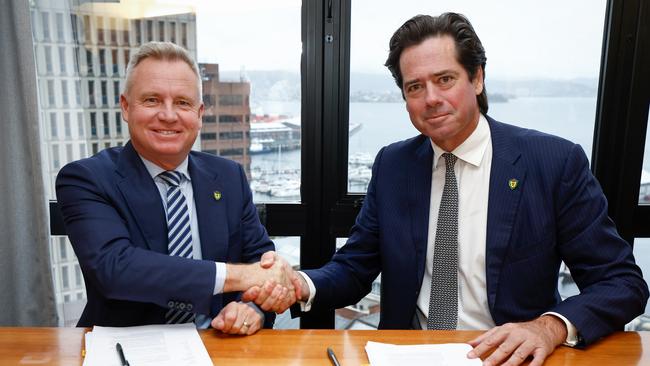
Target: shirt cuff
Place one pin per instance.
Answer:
(572, 337)
(219, 277)
(305, 306)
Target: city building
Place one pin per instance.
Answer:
(226, 121)
(81, 50)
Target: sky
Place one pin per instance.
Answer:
(555, 39)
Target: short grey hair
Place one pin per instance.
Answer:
(163, 51)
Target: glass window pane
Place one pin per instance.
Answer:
(644, 189)
(536, 76)
(364, 314)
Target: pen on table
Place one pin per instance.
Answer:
(332, 356)
(120, 352)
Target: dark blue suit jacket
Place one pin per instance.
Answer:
(115, 219)
(557, 212)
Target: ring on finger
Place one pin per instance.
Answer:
(245, 324)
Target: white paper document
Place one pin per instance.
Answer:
(160, 345)
(450, 354)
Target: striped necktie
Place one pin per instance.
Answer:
(443, 300)
(179, 232)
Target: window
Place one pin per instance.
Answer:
(64, 92)
(113, 31)
(172, 32)
(231, 135)
(137, 24)
(75, 27)
(50, 93)
(48, 59)
(66, 124)
(78, 278)
(62, 62)
(104, 92)
(209, 136)
(77, 92)
(91, 92)
(65, 279)
(114, 61)
(184, 35)
(99, 21)
(231, 152)
(95, 148)
(89, 62)
(68, 153)
(93, 124)
(107, 131)
(63, 253)
(209, 119)
(225, 118)
(102, 62)
(82, 151)
(116, 93)
(149, 30)
(59, 27)
(118, 123)
(76, 59)
(80, 124)
(161, 31)
(53, 125)
(125, 32)
(46, 25)
(231, 100)
(87, 29)
(56, 159)
(126, 59)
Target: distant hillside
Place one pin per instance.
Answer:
(285, 86)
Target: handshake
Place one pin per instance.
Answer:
(271, 283)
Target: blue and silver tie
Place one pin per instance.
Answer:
(179, 232)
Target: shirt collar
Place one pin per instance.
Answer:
(154, 169)
(472, 149)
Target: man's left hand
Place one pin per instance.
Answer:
(237, 318)
(512, 343)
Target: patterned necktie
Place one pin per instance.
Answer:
(443, 300)
(179, 232)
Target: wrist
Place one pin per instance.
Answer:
(237, 278)
(556, 327)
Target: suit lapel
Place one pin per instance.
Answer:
(143, 199)
(503, 203)
(419, 196)
(209, 209)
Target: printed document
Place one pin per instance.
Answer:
(160, 345)
(450, 354)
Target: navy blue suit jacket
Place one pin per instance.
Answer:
(557, 212)
(115, 219)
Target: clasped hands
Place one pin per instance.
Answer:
(271, 284)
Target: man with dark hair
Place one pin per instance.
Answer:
(468, 222)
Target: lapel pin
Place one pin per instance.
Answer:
(512, 183)
(216, 195)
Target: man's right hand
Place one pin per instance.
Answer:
(272, 284)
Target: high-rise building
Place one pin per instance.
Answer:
(226, 121)
(82, 49)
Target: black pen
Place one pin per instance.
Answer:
(120, 352)
(332, 356)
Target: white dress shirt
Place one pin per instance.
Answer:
(473, 177)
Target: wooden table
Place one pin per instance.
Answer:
(62, 346)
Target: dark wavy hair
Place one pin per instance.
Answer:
(469, 50)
